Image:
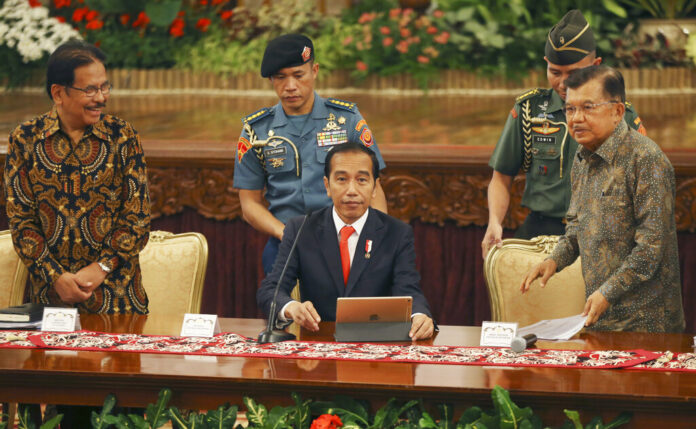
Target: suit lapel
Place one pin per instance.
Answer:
(328, 243)
(371, 231)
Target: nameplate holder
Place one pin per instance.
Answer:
(497, 334)
(200, 325)
(57, 319)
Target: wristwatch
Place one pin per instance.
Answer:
(104, 267)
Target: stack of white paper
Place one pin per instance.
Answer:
(555, 329)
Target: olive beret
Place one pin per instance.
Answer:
(288, 50)
(570, 40)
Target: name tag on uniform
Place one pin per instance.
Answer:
(544, 139)
(275, 151)
(330, 138)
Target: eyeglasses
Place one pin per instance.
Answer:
(587, 108)
(91, 91)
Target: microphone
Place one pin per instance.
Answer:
(519, 344)
(272, 335)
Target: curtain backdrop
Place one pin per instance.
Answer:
(448, 259)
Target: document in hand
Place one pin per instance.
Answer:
(555, 329)
(28, 312)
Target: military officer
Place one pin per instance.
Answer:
(536, 139)
(282, 148)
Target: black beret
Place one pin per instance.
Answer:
(570, 40)
(288, 50)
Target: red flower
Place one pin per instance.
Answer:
(124, 19)
(181, 13)
(442, 38)
(362, 67)
(384, 30)
(326, 421)
(405, 32)
(142, 20)
(61, 3)
(423, 59)
(60, 18)
(91, 15)
(203, 24)
(402, 46)
(79, 14)
(34, 3)
(97, 43)
(226, 14)
(438, 14)
(94, 25)
(394, 13)
(388, 41)
(204, 2)
(177, 27)
(431, 30)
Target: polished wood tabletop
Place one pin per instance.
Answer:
(86, 377)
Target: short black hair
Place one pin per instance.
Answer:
(66, 58)
(351, 147)
(612, 80)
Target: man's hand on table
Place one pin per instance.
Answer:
(304, 314)
(422, 327)
(595, 306)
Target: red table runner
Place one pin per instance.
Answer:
(229, 344)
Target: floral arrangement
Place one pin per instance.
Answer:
(399, 40)
(28, 35)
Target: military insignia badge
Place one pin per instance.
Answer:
(513, 113)
(366, 137)
(242, 147)
(306, 53)
(277, 162)
(331, 124)
(341, 120)
(361, 123)
(546, 129)
(271, 133)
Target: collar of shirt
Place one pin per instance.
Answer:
(607, 151)
(353, 239)
(52, 126)
(556, 103)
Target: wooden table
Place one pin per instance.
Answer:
(659, 399)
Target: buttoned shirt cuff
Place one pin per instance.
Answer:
(109, 259)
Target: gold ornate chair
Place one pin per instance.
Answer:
(173, 269)
(13, 280)
(504, 269)
(13, 273)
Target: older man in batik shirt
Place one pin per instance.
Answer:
(621, 216)
(77, 197)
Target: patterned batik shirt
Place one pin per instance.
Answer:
(621, 223)
(71, 204)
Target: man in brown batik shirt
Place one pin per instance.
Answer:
(621, 215)
(77, 197)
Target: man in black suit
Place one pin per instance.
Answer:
(347, 250)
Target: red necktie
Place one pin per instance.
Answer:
(346, 232)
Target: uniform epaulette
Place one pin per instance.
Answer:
(262, 113)
(628, 105)
(530, 94)
(346, 105)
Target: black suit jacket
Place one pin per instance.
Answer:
(389, 271)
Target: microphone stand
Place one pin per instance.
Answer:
(272, 335)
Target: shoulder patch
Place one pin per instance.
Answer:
(262, 113)
(629, 106)
(530, 94)
(345, 105)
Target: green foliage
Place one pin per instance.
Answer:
(354, 414)
(26, 420)
(666, 9)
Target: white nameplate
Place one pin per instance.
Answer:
(60, 319)
(200, 325)
(497, 334)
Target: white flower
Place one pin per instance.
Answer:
(31, 31)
